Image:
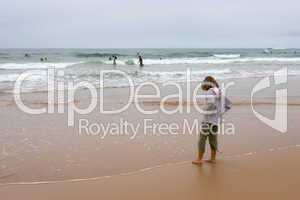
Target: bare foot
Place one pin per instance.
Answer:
(211, 161)
(197, 162)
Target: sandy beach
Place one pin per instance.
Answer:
(170, 100)
(244, 177)
(42, 158)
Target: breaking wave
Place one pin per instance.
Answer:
(41, 65)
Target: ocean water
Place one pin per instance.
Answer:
(161, 65)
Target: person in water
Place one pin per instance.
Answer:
(115, 60)
(140, 60)
(211, 119)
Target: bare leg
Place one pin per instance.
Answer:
(201, 149)
(199, 160)
(213, 155)
(213, 147)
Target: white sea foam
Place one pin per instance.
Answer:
(172, 61)
(38, 75)
(148, 169)
(178, 73)
(227, 59)
(8, 77)
(227, 55)
(216, 59)
(35, 65)
(223, 66)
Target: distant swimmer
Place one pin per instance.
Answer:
(140, 60)
(115, 60)
(45, 59)
(110, 58)
(27, 55)
(42, 59)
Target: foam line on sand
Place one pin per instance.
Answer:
(148, 169)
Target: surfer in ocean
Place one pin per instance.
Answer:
(140, 60)
(115, 60)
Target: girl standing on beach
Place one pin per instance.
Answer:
(211, 119)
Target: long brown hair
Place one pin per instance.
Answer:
(209, 82)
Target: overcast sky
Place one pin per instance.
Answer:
(151, 23)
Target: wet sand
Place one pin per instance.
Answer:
(265, 175)
(41, 158)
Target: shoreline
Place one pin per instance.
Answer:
(239, 93)
(57, 152)
(151, 168)
(241, 178)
